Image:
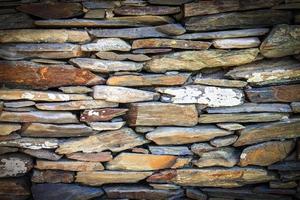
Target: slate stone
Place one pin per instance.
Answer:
(107, 44)
(195, 193)
(95, 14)
(200, 148)
(41, 153)
(15, 164)
(147, 10)
(170, 150)
(4, 150)
(68, 165)
(224, 141)
(282, 185)
(171, 29)
(15, 21)
(151, 51)
(14, 188)
(8, 128)
(75, 89)
(19, 104)
(236, 43)
(220, 82)
(169, 2)
(101, 4)
(230, 126)
(104, 114)
(295, 107)
(285, 166)
(106, 126)
(119, 57)
(31, 143)
(91, 157)
(52, 176)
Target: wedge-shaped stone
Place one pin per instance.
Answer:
(106, 66)
(40, 50)
(106, 126)
(68, 165)
(76, 105)
(115, 141)
(15, 21)
(210, 96)
(194, 193)
(75, 89)
(44, 35)
(14, 188)
(119, 57)
(224, 141)
(169, 150)
(39, 76)
(267, 153)
(123, 94)
(226, 157)
(17, 94)
(8, 128)
(53, 130)
(169, 43)
(236, 43)
(148, 80)
(220, 82)
(147, 10)
(272, 71)
(196, 60)
(31, 143)
(39, 116)
(200, 148)
(54, 10)
(180, 135)
(49, 191)
(41, 153)
(104, 114)
(108, 177)
(295, 107)
(52, 176)
(219, 177)
(283, 40)
(171, 29)
(141, 162)
(107, 44)
(233, 20)
(269, 131)
(91, 157)
(161, 114)
(282, 93)
(15, 164)
(241, 117)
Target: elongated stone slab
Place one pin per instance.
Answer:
(52, 176)
(241, 117)
(39, 116)
(226, 140)
(106, 126)
(14, 188)
(39, 76)
(44, 35)
(282, 93)
(141, 162)
(147, 10)
(15, 21)
(123, 94)
(196, 60)
(283, 40)
(68, 165)
(75, 89)
(64, 191)
(31, 143)
(15, 164)
(286, 166)
(119, 57)
(91, 157)
(171, 29)
(52, 130)
(76, 105)
(8, 128)
(108, 177)
(233, 20)
(236, 43)
(210, 96)
(161, 114)
(106, 66)
(170, 150)
(151, 51)
(107, 44)
(41, 153)
(5, 150)
(17, 94)
(18, 104)
(169, 43)
(104, 114)
(169, 2)
(267, 153)
(180, 135)
(115, 141)
(269, 131)
(220, 82)
(54, 10)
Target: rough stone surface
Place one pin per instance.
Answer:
(52, 176)
(104, 114)
(15, 164)
(91, 157)
(31, 143)
(68, 165)
(107, 44)
(8, 128)
(237, 43)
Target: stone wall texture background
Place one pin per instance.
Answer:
(149, 99)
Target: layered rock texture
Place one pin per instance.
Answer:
(149, 100)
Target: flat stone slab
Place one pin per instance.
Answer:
(14, 188)
(147, 10)
(236, 43)
(106, 126)
(91, 157)
(107, 44)
(68, 165)
(52, 176)
(75, 89)
(170, 150)
(42, 154)
(120, 57)
(15, 164)
(8, 128)
(31, 143)
(104, 114)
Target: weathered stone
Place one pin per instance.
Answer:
(169, 150)
(106, 66)
(295, 107)
(144, 129)
(123, 94)
(15, 164)
(196, 60)
(169, 2)
(269, 131)
(233, 20)
(264, 189)
(286, 166)
(8, 128)
(17, 94)
(148, 80)
(171, 29)
(14, 189)
(120, 57)
(91, 157)
(241, 117)
(283, 40)
(47, 61)
(31, 143)
(39, 116)
(108, 177)
(52, 10)
(272, 71)
(68, 165)
(236, 43)
(106, 126)
(220, 82)
(44, 35)
(267, 153)
(141, 162)
(282, 93)
(23, 109)
(182, 162)
(53, 130)
(100, 4)
(52, 176)
(18, 104)
(210, 96)
(224, 141)
(147, 10)
(41, 153)
(4, 150)
(180, 135)
(15, 21)
(164, 186)
(161, 114)
(226, 157)
(115, 141)
(151, 51)
(107, 44)
(139, 150)
(230, 126)
(38, 76)
(95, 14)
(104, 114)
(282, 185)
(195, 193)
(224, 34)
(169, 43)
(50, 191)
(200, 148)
(75, 89)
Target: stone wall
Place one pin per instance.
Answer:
(149, 99)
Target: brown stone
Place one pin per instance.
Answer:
(4, 150)
(91, 157)
(52, 176)
(230, 126)
(15, 164)
(182, 162)
(68, 165)
(200, 148)
(146, 10)
(8, 128)
(171, 29)
(104, 114)
(106, 126)
(31, 143)
(95, 14)
(41, 153)
(236, 43)
(120, 57)
(75, 89)
(14, 188)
